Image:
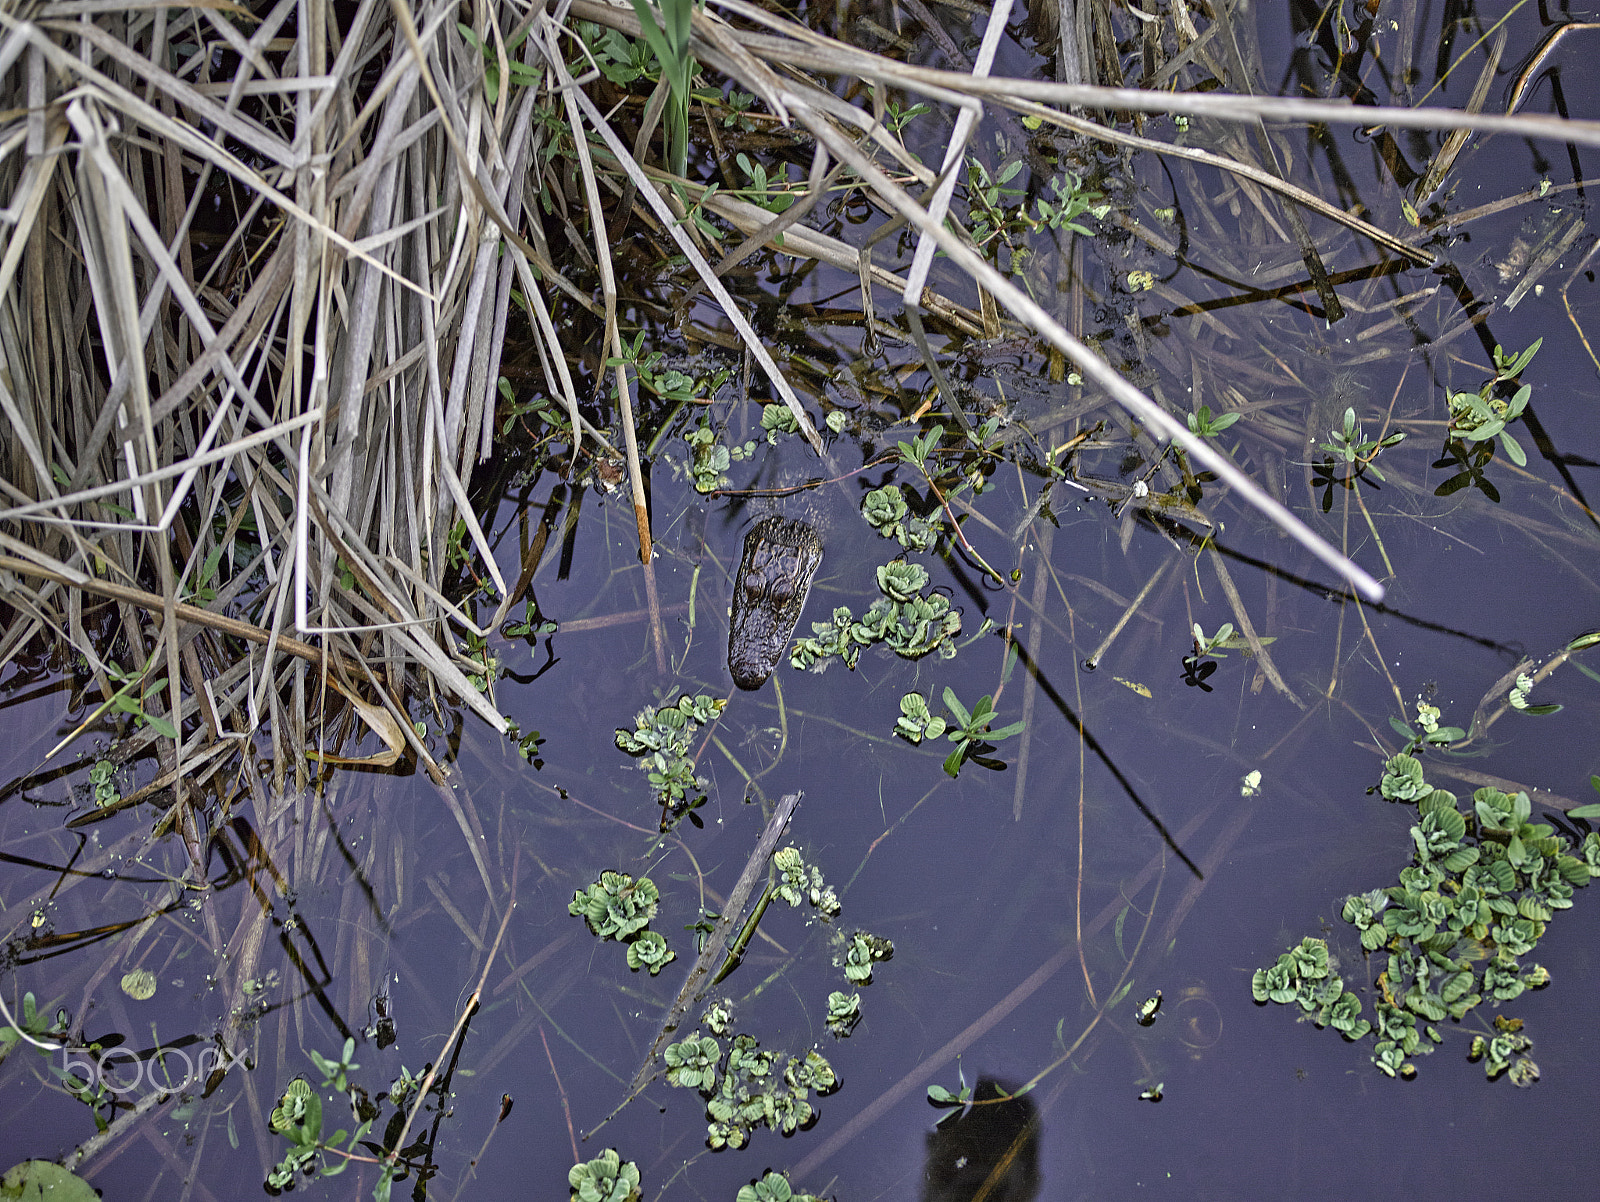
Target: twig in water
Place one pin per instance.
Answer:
(467, 1012)
(566, 1106)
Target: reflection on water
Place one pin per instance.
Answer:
(988, 1152)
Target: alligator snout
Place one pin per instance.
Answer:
(781, 555)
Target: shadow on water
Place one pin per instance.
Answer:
(987, 1150)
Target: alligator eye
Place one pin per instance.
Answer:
(782, 588)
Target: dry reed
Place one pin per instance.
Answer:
(255, 275)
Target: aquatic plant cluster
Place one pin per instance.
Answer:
(801, 883)
(752, 1092)
(888, 513)
(609, 1178)
(773, 1187)
(968, 730)
(709, 459)
(619, 907)
(742, 1083)
(746, 1090)
(301, 1108)
(1482, 886)
(908, 621)
(606, 1178)
(661, 739)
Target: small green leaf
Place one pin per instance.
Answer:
(1513, 448)
(952, 763)
(963, 718)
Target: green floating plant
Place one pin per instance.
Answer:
(1478, 419)
(795, 882)
(778, 420)
(301, 1108)
(1070, 199)
(773, 1187)
(1351, 456)
(1588, 811)
(1517, 699)
(1204, 425)
(606, 1178)
(1428, 733)
(1499, 1051)
(840, 636)
(1304, 975)
(886, 512)
(692, 1064)
(916, 721)
(844, 1012)
(971, 734)
(955, 1101)
(1482, 885)
(1349, 445)
(908, 621)
(616, 906)
(663, 739)
(1484, 415)
(619, 907)
(1207, 645)
(45, 1179)
(747, 1091)
(999, 209)
(709, 459)
(860, 952)
(36, 1027)
(650, 951)
(719, 1016)
(801, 883)
(103, 776)
(1148, 1010)
(968, 729)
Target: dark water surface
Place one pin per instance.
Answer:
(983, 888)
